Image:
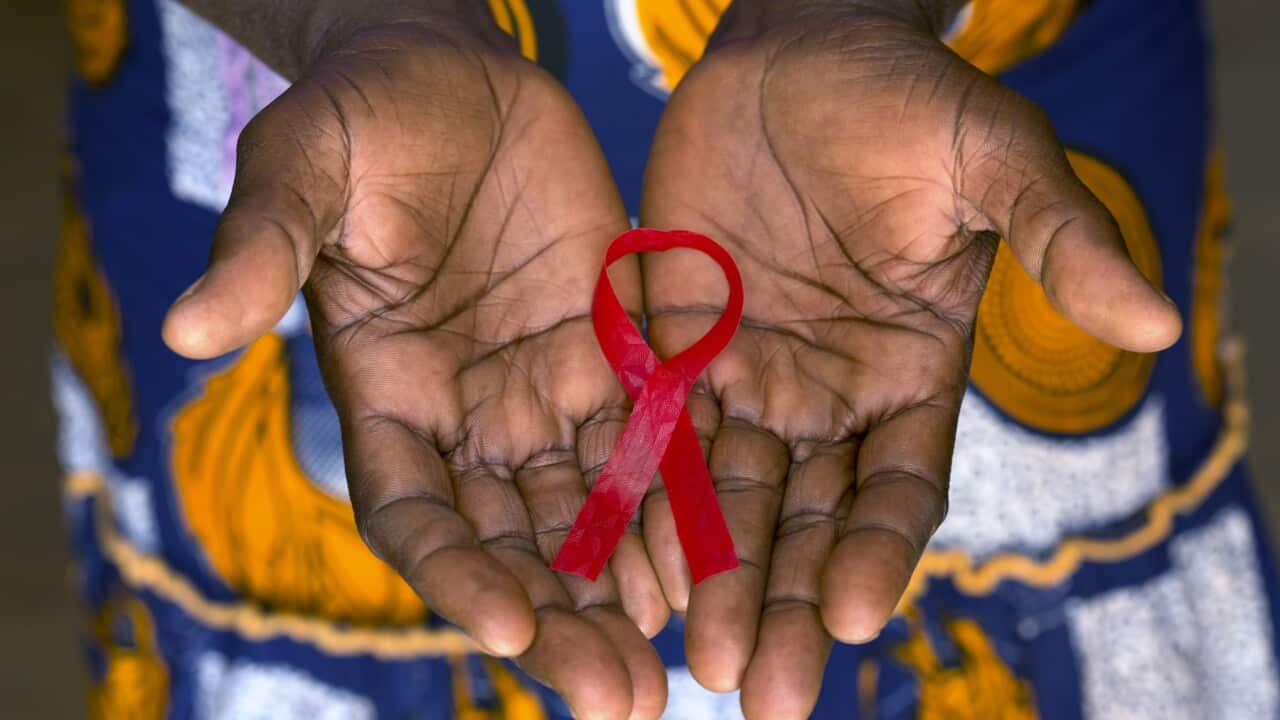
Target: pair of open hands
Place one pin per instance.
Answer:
(445, 207)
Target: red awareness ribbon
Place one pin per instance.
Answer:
(659, 435)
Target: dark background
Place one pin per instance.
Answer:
(40, 672)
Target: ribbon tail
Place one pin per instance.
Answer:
(700, 524)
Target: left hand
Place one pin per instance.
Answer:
(861, 174)
(445, 207)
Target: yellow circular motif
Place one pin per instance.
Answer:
(86, 323)
(997, 34)
(1035, 364)
(98, 36)
(664, 38)
(266, 529)
(676, 32)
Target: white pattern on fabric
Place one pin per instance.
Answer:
(316, 435)
(1014, 489)
(243, 690)
(1192, 644)
(82, 439)
(687, 700)
(82, 448)
(294, 322)
(212, 88)
(133, 511)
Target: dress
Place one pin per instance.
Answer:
(1102, 557)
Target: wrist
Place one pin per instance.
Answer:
(334, 25)
(934, 17)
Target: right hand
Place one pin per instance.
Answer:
(862, 175)
(445, 208)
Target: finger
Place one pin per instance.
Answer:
(638, 585)
(648, 674)
(1066, 238)
(785, 673)
(748, 466)
(572, 657)
(569, 654)
(554, 489)
(286, 200)
(404, 508)
(900, 498)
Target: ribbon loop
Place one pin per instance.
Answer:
(659, 436)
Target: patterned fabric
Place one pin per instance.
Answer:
(1102, 557)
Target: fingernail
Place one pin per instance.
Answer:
(865, 639)
(495, 647)
(485, 649)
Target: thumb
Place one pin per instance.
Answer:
(1068, 241)
(285, 203)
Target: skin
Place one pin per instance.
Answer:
(862, 176)
(445, 208)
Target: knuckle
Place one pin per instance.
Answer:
(371, 524)
(727, 484)
(789, 602)
(387, 534)
(512, 541)
(1026, 115)
(803, 521)
(909, 502)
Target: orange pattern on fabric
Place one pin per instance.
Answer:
(515, 701)
(99, 34)
(135, 683)
(676, 32)
(268, 531)
(1208, 283)
(86, 323)
(979, 687)
(1033, 362)
(514, 18)
(1001, 33)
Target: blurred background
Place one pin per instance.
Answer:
(40, 672)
